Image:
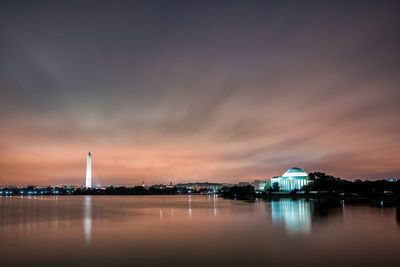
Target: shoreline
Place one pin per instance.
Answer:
(375, 200)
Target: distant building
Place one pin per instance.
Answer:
(243, 183)
(200, 186)
(259, 185)
(294, 178)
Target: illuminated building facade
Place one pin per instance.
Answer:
(89, 171)
(294, 178)
(259, 185)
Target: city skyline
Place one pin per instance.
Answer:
(188, 91)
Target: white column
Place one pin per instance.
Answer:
(89, 171)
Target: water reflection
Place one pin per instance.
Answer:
(297, 215)
(294, 214)
(87, 221)
(126, 230)
(190, 205)
(215, 205)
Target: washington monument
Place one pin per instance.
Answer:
(89, 171)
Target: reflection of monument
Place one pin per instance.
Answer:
(190, 205)
(89, 171)
(294, 178)
(87, 220)
(294, 214)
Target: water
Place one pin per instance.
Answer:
(194, 231)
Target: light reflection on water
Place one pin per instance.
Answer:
(181, 230)
(294, 214)
(88, 218)
(190, 205)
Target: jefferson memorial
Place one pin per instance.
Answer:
(294, 178)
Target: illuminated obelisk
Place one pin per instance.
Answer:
(89, 171)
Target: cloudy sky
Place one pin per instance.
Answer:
(164, 91)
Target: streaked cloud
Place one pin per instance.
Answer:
(177, 91)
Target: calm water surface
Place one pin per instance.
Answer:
(194, 231)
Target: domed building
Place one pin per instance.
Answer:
(294, 178)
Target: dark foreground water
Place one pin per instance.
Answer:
(194, 231)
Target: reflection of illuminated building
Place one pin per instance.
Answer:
(190, 205)
(294, 178)
(87, 221)
(294, 214)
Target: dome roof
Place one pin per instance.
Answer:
(295, 172)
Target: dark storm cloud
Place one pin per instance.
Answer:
(228, 89)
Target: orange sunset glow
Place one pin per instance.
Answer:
(168, 97)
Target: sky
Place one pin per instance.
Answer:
(184, 91)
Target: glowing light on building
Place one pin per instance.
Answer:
(294, 178)
(259, 185)
(89, 171)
